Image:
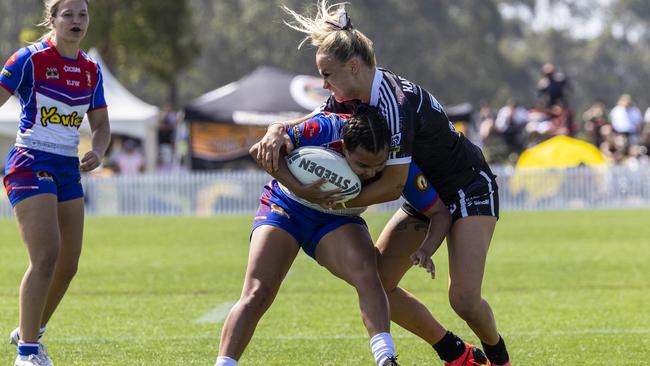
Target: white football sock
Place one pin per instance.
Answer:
(382, 347)
(225, 361)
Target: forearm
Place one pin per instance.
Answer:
(4, 96)
(440, 222)
(282, 174)
(279, 127)
(376, 193)
(100, 139)
(387, 188)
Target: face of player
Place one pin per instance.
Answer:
(364, 163)
(338, 77)
(71, 21)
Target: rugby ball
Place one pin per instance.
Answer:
(311, 163)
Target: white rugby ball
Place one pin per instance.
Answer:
(311, 163)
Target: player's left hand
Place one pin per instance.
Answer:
(90, 161)
(422, 258)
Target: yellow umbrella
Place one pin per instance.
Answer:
(559, 152)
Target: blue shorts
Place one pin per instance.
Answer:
(306, 225)
(30, 172)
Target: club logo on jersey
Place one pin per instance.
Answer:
(73, 69)
(52, 73)
(89, 79)
(421, 182)
(395, 140)
(52, 117)
(6, 73)
(12, 59)
(44, 176)
(311, 130)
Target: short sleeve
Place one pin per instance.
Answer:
(319, 130)
(98, 101)
(14, 69)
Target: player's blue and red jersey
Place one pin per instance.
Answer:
(55, 93)
(326, 129)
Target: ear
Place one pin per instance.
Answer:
(353, 63)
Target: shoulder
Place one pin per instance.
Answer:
(89, 61)
(22, 55)
(401, 89)
(410, 95)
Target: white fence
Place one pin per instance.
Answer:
(214, 193)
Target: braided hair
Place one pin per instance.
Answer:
(367, 129)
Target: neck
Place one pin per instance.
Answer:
(66, 49)
(366, 77)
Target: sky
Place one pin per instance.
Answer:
(558, 16)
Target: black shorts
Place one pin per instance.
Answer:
(479, 197)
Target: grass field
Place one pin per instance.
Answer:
(568, 288)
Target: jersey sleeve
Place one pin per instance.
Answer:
(14, 69)
(319, 130)
(98, 101)
(418, 191)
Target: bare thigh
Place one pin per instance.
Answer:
(346, 251)
(272, 252)
(401, 236)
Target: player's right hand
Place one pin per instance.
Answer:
(422, 258)
(312, 192)
(268, 152)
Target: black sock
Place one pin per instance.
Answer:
(497, 354)
(450, 347)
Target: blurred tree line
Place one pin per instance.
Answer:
(461, 50)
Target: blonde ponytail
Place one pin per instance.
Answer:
(332, 32)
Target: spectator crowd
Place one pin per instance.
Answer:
(622, 132)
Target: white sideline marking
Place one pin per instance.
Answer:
(216, 315)
(220, 312)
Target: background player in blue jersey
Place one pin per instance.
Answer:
(421, 132)
(57, 85)
(336, 239)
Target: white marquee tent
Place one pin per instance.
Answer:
(128, 115)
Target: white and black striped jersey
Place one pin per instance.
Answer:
(422, 132)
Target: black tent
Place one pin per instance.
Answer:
(225, 122)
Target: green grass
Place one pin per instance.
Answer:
(567, 288)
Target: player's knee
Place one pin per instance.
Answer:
(464, 303)
(68, 271)
(364, 272)
(258, 298)
(44, 263)
(388, 282)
